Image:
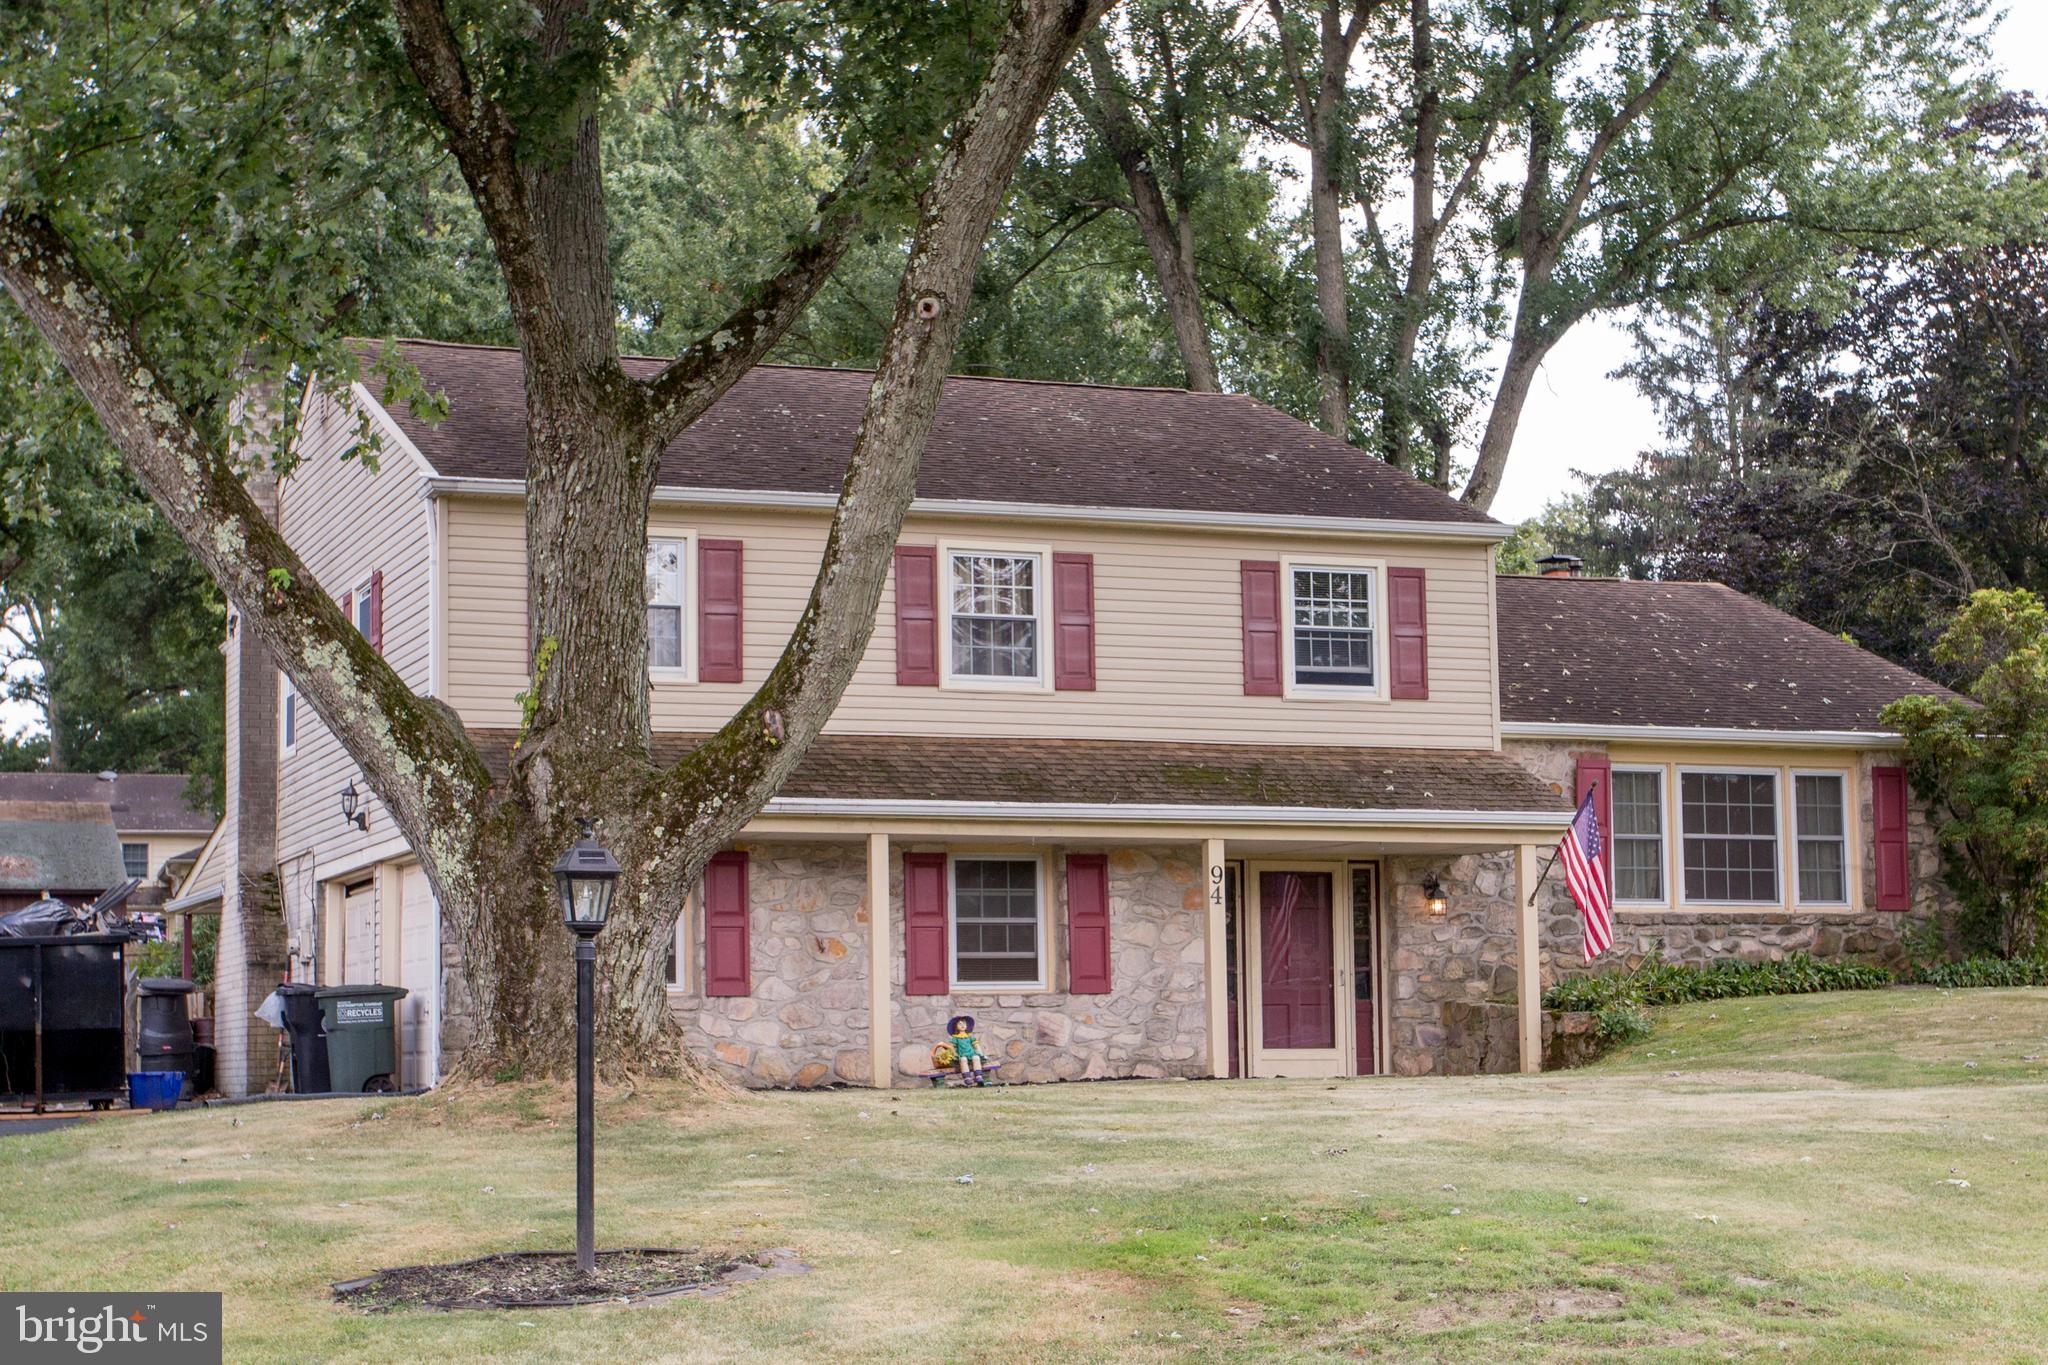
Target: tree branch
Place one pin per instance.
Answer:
(413, 752)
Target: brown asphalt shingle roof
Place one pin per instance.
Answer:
(1605, 651)
(139, 801)
(790, 429)
(65, 846)
(1116, 772)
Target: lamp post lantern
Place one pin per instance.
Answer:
(584, 880)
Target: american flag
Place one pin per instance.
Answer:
(1585, 871)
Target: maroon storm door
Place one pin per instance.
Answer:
(1298, 994)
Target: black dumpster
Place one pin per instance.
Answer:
(362, 1035)
(60, 1019)
(165, 1040)
(302, 1023)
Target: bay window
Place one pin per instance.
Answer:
(1821, 828)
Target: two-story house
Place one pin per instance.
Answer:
(1190, 741)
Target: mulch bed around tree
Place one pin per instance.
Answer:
(549, 1279)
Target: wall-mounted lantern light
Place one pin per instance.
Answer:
(1433, 898)
(351, 812)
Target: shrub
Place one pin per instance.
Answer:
(1618, 1024)
(1986, 971)
(166, 956)
(1657, 982)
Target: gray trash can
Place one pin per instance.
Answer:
(362, 1037)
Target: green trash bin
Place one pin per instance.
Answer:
(362, 1036)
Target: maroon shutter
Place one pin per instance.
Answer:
(924, 924)
(1595, 776)
(377, 610)
(1888, 823)
(917, 616)
(1261, 585)
(1407, 635)
(1073, 622)
(720, 592)
(728, 941)
(1088, 923)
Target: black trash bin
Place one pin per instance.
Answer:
(165, 1027)
(303, 1023)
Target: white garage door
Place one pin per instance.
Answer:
(420, 974)
(359, 927)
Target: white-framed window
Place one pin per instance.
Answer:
(997, 903)
(361, 608)
(287, 713)
(1334, 646)
(995, 627)
(678, 954)
(1820, 828)
(670, 644)
(1728, 826)
(135, 860)
(1638, 806)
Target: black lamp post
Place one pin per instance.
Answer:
(584, 879)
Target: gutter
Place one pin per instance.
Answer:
(1701, 734)
(1166, 814)
(1489, 532)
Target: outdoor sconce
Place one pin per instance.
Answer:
(1433, 898)
(350, 803)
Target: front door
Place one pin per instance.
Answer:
(1299, 918)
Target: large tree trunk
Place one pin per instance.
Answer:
(1169, 244)
(1517, 377)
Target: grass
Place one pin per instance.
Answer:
(1787, 1193)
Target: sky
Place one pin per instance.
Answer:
(1580, 418)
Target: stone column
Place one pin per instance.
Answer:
(1528, 949)
(1216, 981)
(881, 1056)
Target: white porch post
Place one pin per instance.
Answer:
(1528, 971)
(881, 1055)
(1215, 960)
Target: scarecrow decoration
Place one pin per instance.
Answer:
(967, 1058)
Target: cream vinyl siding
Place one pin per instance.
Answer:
(346, 522)
(1168, 641)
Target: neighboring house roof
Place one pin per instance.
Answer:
(1607, 652)
(1127, 773)
(141, 802)
(58, 846)
(786, 428)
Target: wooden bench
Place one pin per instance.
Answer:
(940, 1079)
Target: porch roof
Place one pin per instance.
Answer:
(1117, 773)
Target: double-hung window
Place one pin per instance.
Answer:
(995, 603)
(1331, 615)
(1638, 834)
(1729, 824)
(667, 600)
(998, 923)
(287, 713)
(1822, 831)
(135, 860)
(363, 608)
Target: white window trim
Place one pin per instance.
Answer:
(970, 682)
(682, 985)
(956, 986)
(1676, 802)
(1322, 692)
(1849, 852)
(289, 736)
(1666, 843)
(358, 603)
(687, 673)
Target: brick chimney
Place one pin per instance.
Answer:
(1561, 566)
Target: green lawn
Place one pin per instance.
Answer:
(1771, 1178)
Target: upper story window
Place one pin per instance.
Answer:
(287, 713)
(667, 603)
(1331, 615)
(363, 608)
(135, 860)
(995, 606)
(1638, 834)
(1822, 829)
(1729, 823)
(998, 923)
